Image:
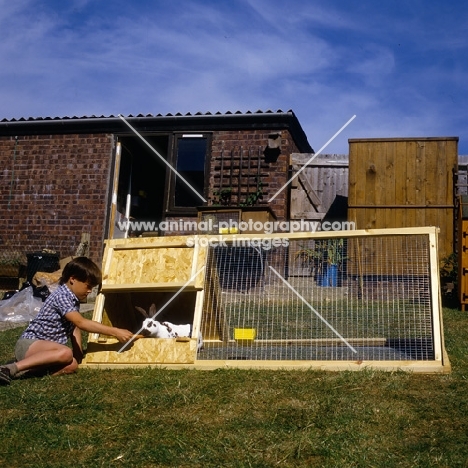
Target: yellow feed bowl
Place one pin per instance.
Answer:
(244, 334)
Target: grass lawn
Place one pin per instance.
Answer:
(239, 418)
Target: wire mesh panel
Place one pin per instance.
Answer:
(363, 297)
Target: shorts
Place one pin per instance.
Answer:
(22, 346)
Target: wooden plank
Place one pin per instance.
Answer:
(436, 300)
(108, 254)
(419, 194)
(198, 314)
(321, 160)
(443, 174)
(316, 342)
(309, 215)
(356, 183)
(214, 325)
(414, 367)
(432, 183)
(395, 139)
(370, 174)
(115, 188)
(308, 189)
(199, 271)
(161, 287)
(390, 186)
(149, 243)
(97, 314)
(330, 234)
(353, 197)
(408, 207)
(380, 174)
(409, 187)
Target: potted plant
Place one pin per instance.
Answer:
(325, 258)
(11, 263)
(223, 196)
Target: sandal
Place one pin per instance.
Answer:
(5, 377)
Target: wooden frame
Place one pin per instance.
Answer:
(178, 355)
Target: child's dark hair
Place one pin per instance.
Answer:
(83, 269)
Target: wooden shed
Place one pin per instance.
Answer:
(404, 182)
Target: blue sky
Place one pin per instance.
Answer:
(400, 66)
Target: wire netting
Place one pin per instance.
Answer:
(353, 299)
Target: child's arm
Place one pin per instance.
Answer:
(95, 327)
(77, 345)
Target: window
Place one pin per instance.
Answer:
(190, 163)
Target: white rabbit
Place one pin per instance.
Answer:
(182, 330)
(155, 329)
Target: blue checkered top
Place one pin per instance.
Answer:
(50, 323)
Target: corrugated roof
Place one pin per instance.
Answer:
(200, 121)
(130, 116)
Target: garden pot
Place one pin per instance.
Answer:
(329, 277)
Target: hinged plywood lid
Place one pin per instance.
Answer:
(156, 263)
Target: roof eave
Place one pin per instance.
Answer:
(168, 123)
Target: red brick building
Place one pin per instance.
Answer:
(61, 177)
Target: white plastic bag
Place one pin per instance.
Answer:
(21, 307)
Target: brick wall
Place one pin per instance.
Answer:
(237, 159)
(53, 188)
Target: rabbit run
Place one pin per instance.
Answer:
(153, 328)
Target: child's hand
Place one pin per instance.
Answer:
(123, 335)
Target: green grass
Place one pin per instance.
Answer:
(292, 319)
(239, 418)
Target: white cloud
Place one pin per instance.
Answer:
(384, 62)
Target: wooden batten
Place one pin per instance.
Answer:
(414, 367)
(169, 286)
(462, 257)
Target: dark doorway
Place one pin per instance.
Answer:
(142, 178)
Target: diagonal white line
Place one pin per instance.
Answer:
(161, 158)
(164, 306)
(313, 310)
(312, 158)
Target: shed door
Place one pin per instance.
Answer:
(315, 189)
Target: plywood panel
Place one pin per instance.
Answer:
(162, 265)
(157, 261)
(143, 351)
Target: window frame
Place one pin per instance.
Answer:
(171, 208)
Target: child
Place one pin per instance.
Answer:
(43, 345)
